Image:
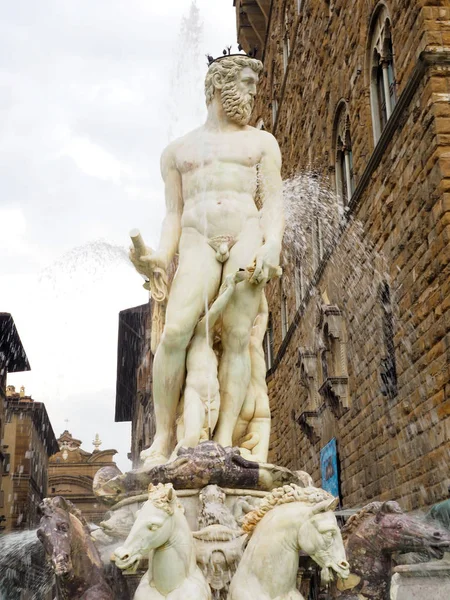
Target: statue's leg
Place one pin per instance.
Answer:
(256, 442)
(193, 418)
(246, 415)
(196, 281)
(238, 318)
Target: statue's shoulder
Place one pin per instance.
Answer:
(265, 138)
(267, 144)
(172, 150)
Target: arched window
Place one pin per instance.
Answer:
(268, 343)
(381, 70)
(299, 283)
(286, 42)
(274, 111)
(317, 241)
(284, 312)
(342, 146)
(388, 373)
(274, 86)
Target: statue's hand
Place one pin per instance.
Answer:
(148, 262)
(266, 263)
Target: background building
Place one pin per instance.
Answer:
(12, 360)
(71, 474)
(357, 95)
(29, 441)
(134, 377)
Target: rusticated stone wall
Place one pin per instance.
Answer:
(392, 444)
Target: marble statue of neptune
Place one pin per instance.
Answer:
(215, 178)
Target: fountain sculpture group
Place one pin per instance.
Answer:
(206, 517)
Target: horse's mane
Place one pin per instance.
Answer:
(372, 508)
(356, 519)
(283, 495)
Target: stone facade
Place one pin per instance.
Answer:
(29, 441)
(360, 339)
(134, 377)
(12, 359)
(71, 474)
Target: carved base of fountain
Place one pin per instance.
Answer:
(216, 487)
(194, 468)
(214, 515)
(422, 580)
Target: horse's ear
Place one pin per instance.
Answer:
(387, 508)
(42, 509)
(390, 506)
(60, 502)
(171, 494)
(325, 505)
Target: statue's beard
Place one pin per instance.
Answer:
(238, 107)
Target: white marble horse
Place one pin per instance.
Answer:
(288, 520)
(161, 533)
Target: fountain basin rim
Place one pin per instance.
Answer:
(191, 492)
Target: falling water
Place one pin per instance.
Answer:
(314, 226)
(91, 258)
(321, 232)
(186, 111)
(23, 567)
(185, 103)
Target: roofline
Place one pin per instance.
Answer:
(11, 346)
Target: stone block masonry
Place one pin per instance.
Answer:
(393, 443)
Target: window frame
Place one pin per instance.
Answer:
(381, 69)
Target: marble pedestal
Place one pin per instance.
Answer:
(423, 581)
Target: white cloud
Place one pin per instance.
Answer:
(87, 102)
(13, 225)
(95, 160)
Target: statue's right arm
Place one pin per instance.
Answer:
(171, 226)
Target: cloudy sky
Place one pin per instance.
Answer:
(90, 93)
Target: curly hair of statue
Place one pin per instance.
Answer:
(227, 69)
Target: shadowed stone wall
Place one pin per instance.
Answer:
(393, 440)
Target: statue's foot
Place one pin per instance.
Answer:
(152, 458)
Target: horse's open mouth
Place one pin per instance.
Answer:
(128, 566)
(62, 566)
(435, 549)
(341, 572)
(328, 573)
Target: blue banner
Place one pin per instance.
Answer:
(329, 468)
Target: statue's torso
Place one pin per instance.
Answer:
(219, 180)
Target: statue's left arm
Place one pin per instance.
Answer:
(270, 191)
